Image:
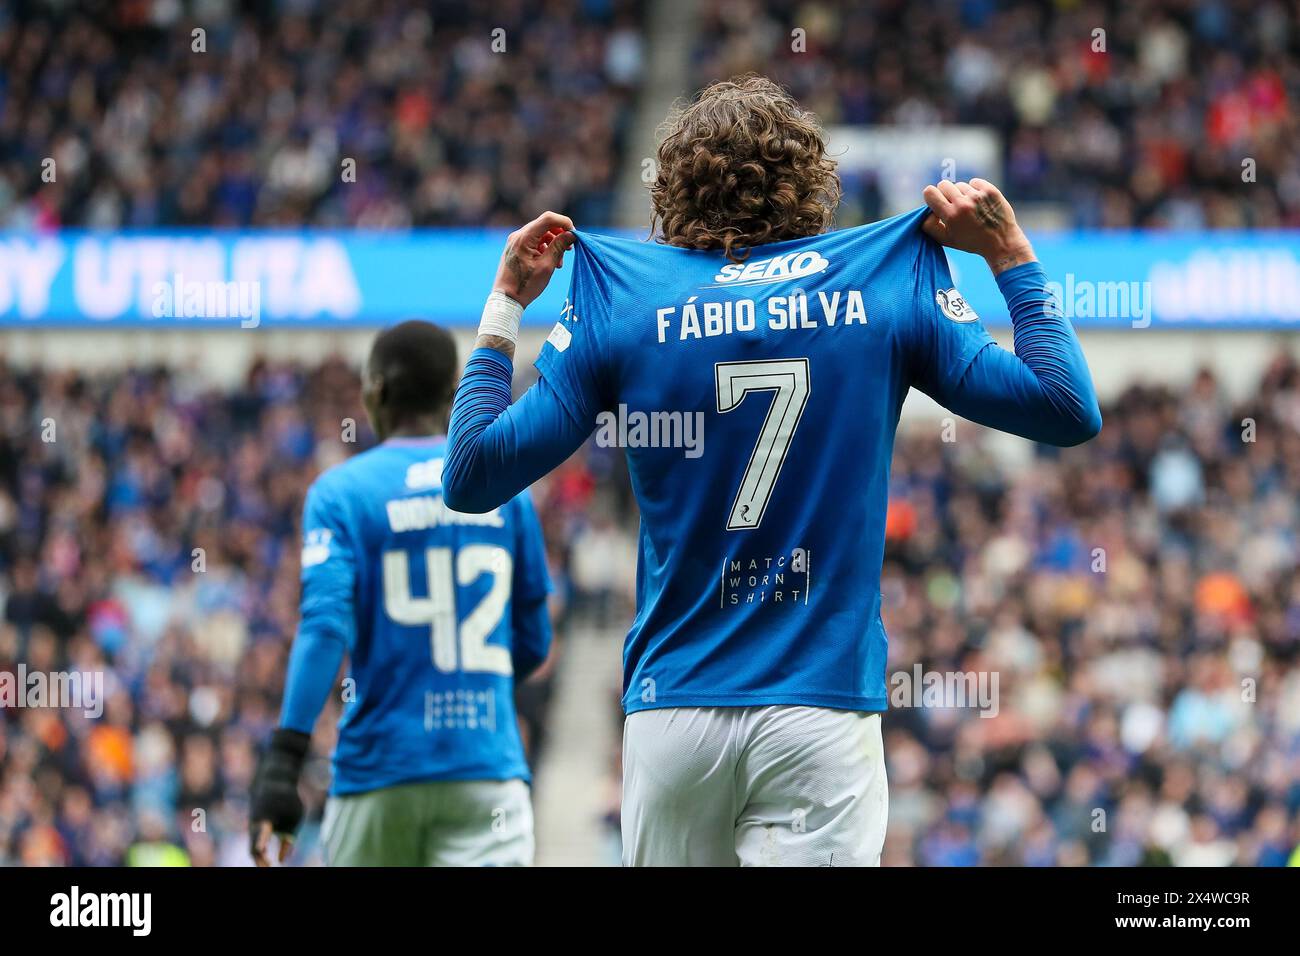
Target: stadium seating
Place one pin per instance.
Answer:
(1114, 114)
(256, 129)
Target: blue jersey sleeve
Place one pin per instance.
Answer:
(1042, 392)
(494, 449)
(530, 617)
(574, 360)
(329, 573)
(946, 334)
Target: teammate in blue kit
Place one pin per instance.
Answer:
(439, 613)
(754, 671)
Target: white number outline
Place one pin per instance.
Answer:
(790, 382)
(438, 610)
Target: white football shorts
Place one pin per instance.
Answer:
(753, 786)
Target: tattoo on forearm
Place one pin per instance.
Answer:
(1010, 259)
(504, 346)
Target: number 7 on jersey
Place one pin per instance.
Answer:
(788, 379)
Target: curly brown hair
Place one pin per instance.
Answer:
(741, 165)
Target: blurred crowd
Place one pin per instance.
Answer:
(1136, 598)
(1115, 113)
(382, 113)
(148, 532)
(371, 113)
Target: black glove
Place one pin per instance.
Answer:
(275, 788)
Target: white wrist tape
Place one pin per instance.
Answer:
(501, 317)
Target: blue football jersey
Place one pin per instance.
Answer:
(427, 595)
(762, 536)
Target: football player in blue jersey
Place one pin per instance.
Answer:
(754, 670)
(438, 613)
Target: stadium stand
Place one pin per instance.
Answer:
(1151, 129)
(146, 132)
(1151, 132)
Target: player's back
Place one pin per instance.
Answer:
(430, 663)
(762, 529)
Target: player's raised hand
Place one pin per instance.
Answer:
(976, 217)
(532, 254)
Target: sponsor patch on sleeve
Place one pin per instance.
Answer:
(954, 306)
